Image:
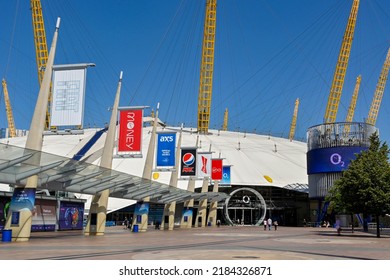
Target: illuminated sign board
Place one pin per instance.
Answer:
(335, 159)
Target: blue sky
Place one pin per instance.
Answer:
(267, 54)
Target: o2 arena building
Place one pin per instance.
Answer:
(263, 176)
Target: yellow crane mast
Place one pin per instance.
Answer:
(294, 120)
(225, 120)
(341, 67)
(8, 109)
(207, 67)
(41, 51)
(352, 105)
(380, 88)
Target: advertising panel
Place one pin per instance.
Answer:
(71, 215)
(44, 215)
(187, 214)
(166, 143)
(23, 199)
(216, 169)
(130, 130)
(334, 159)
(204, 164)
(188, 162)
(4, 206)
(225, 176)
(68, 97)
(141, 208)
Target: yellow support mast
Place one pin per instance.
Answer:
(380, 88)
(41, 50)
(207, 67)
(341, 67)
(225, 120)
(352, 105)
(294, 121)
(8, 109)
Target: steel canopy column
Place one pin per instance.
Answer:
(96, 223)
(188, 205)
(147, 174)
(20, 216)
(170, 208)
(202, 208)
(213, 207)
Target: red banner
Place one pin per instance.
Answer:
(216, 169)
(130, 130)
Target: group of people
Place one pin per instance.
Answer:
(127, 223)
(268, 223)
(326, 224)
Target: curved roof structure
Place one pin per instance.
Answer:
(256, 160)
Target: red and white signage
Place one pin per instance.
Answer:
(216, 169)
(204, 164)
(130, 130)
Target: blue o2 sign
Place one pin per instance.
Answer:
(335, 159)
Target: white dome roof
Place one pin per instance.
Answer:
(256, 160)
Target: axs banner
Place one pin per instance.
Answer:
(166, 143)
(188, 162)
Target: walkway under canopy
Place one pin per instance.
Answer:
(57, 173)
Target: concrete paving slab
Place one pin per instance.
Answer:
(210, 243)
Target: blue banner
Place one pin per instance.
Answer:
(187, 214)
(141, 208)
(23, 199)
(166, 143)
(225, 176)
(334, 159)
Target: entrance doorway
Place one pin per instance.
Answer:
(245, 206)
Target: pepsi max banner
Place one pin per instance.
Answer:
(216, 169)
(204, 165)
(225, 176)
(130, 130)
(166, 143)
(188, 162)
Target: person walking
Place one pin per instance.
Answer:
(125, 223)
(130, 223)
(265, 224)
(276, 225)
(269, 223)
(338, 226)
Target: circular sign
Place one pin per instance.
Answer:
(246, 199)
(188, 159)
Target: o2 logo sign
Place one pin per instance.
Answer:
(336, 159)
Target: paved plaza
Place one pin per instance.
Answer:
(210, 243)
